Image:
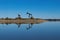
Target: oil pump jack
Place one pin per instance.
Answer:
(30, 15)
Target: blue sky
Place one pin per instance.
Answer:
(39, 8)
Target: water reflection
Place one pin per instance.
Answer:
(30, 25)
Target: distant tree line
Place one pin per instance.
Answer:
(52, 19)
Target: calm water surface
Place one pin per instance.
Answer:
(42, 31)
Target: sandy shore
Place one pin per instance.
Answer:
(22, 21)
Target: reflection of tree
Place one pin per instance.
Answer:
(6, 23)
(19, 25)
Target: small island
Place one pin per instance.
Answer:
(19, 20)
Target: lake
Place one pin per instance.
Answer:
(42, 31)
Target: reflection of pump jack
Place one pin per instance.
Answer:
(29, 26)
(19, 25)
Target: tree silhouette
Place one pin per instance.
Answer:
(19, 16)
